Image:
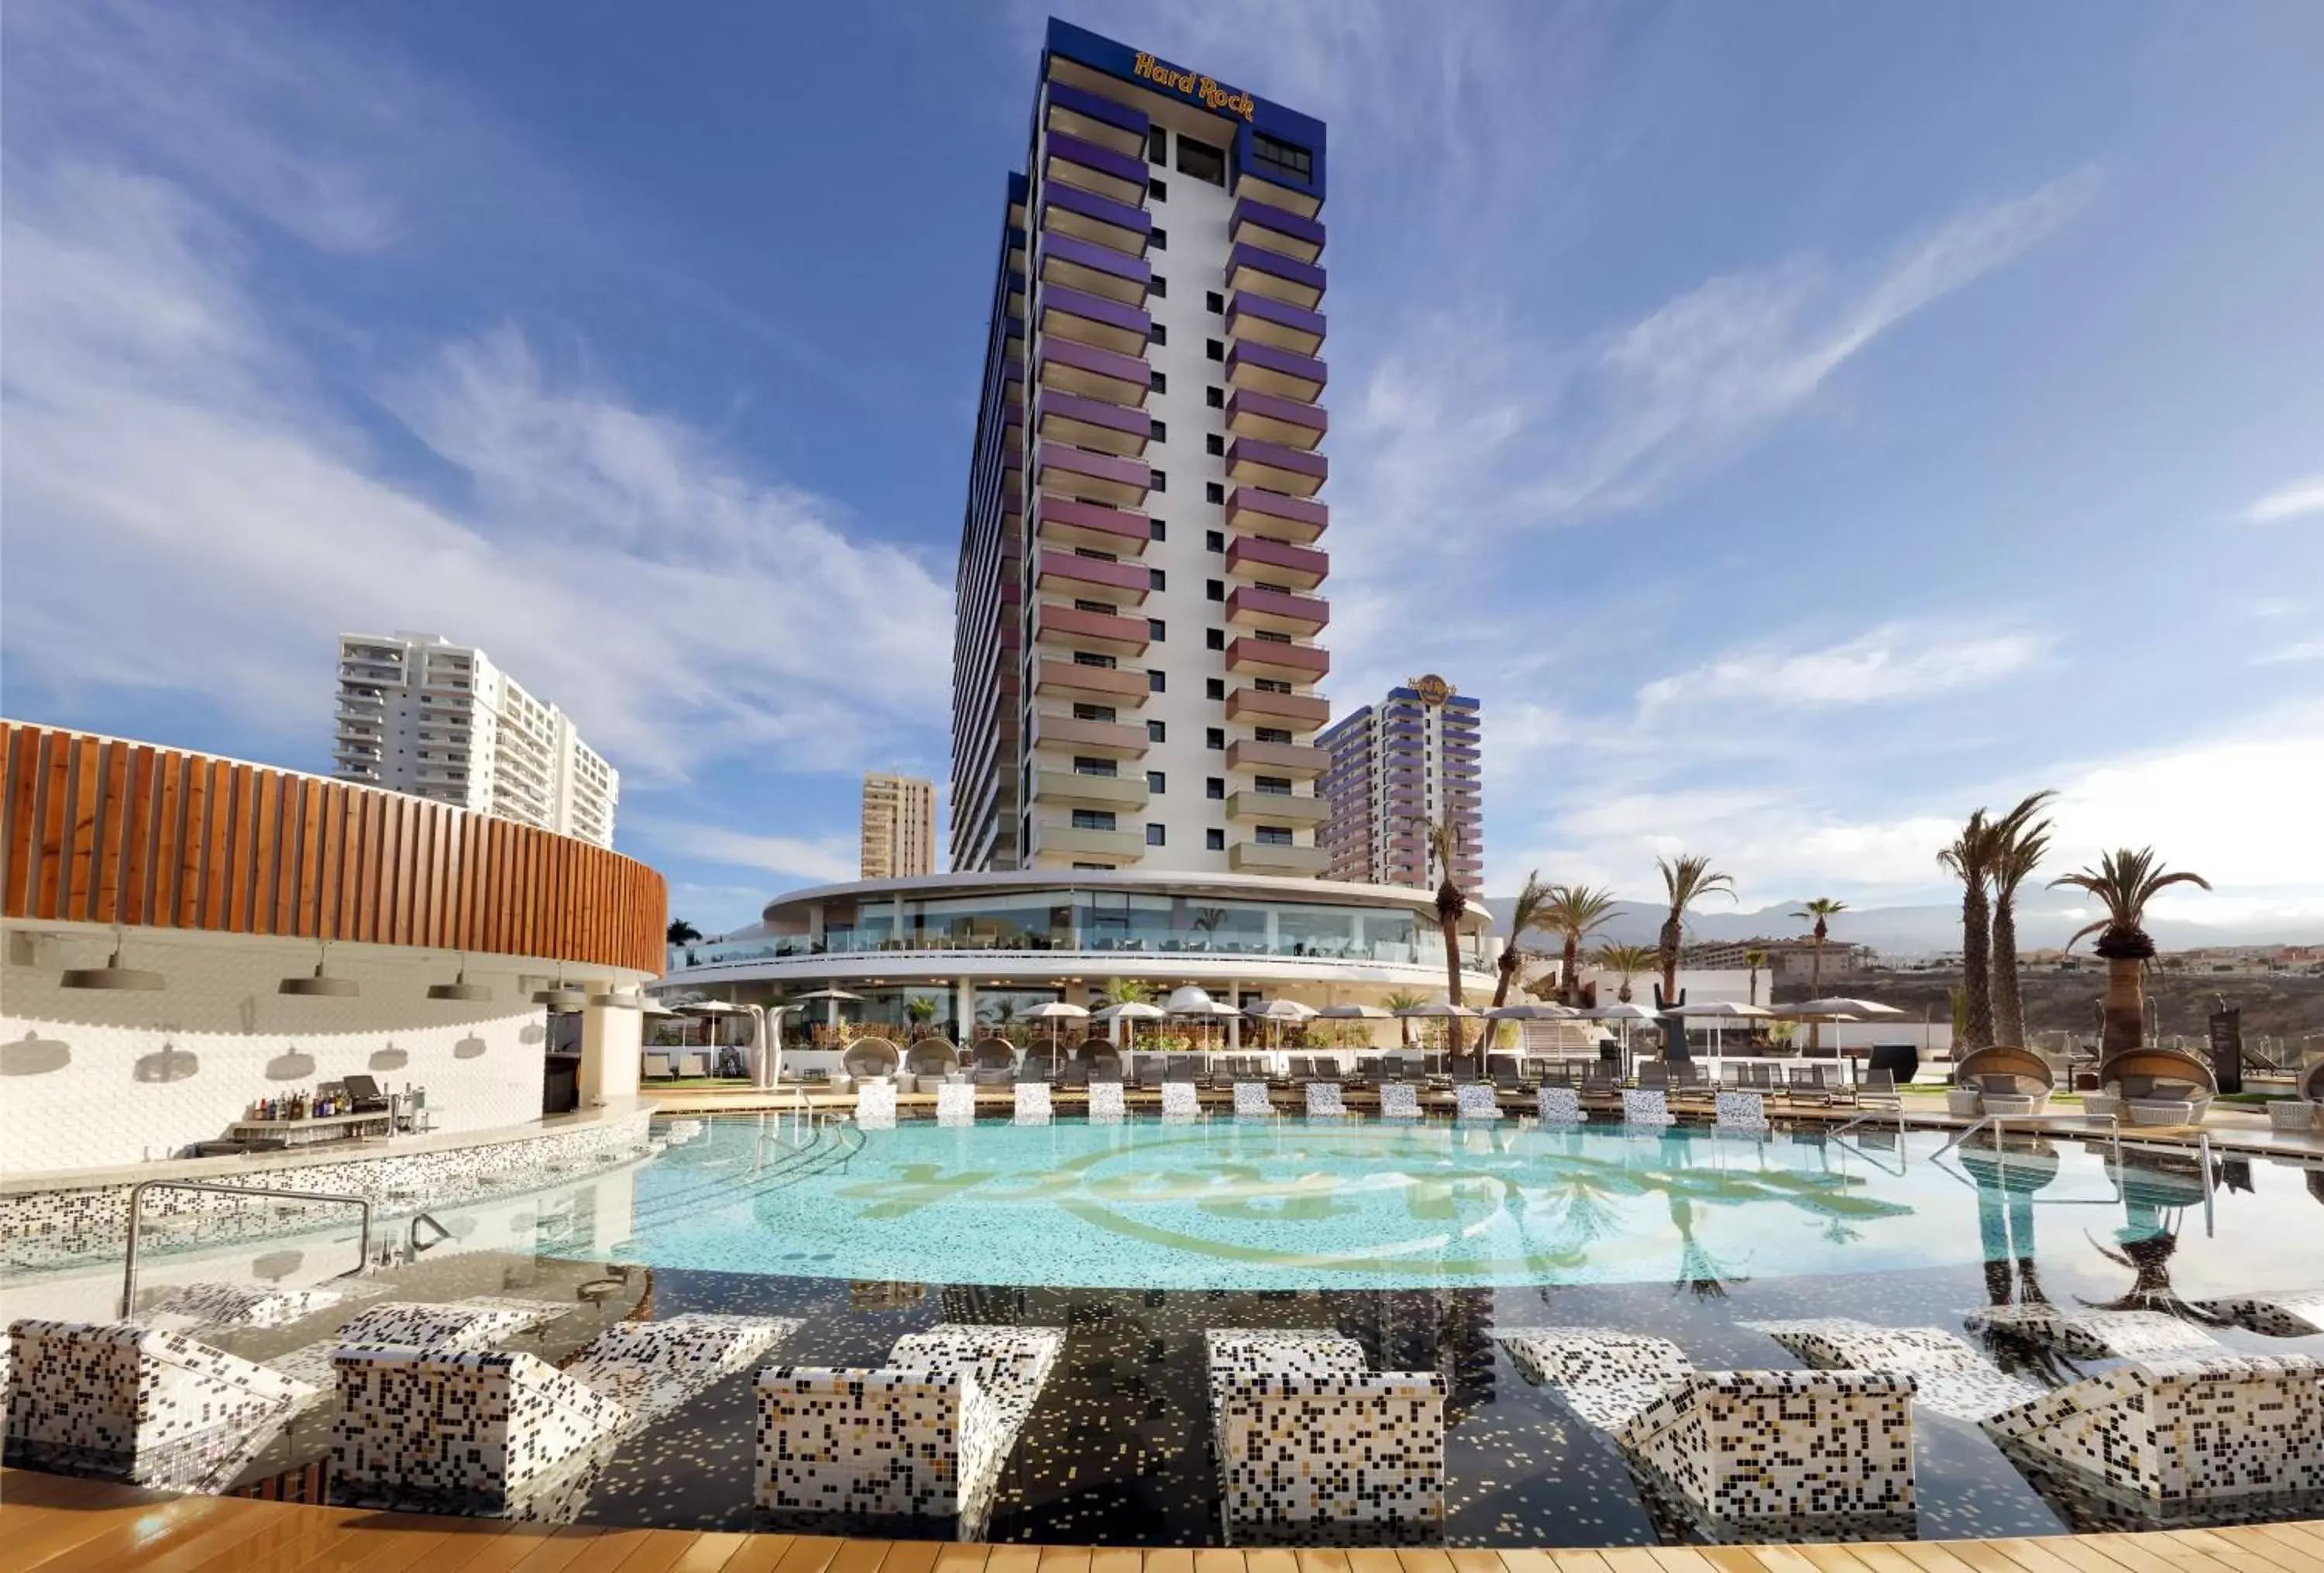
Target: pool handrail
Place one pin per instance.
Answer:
(136, 1220)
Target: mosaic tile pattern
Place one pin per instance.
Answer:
(1609, 1376)
(1476, 1100)
(2182, 1430)
(1325, 1101)
(1105, 1105)
(651, 1368)
(1952, 1377)
(1304, 1433)
(1644, 1106)
(1741, 1111)
(477, 1433)
(464, 1327)
(875, 1106)
(1250, 1098)
(1178, 1102)
(2289, 1313)
(1560, 1105)
(124, 1402)
(1400, 1101)
(1745, 1448)
(2091, 1335)
(243, 1305)
(1033, 1105)
(956, 1103)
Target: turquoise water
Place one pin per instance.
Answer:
(1286, 1205)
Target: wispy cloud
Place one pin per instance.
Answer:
(2306, 650)
(821, 860)
(2296, 501)
(1898, 662)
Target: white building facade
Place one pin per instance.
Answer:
(419, 714)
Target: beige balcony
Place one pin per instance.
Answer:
(1062, 573)
(1102, 633)
(1248, 606)
(1104, 739)
(1277, 809)
(1295, 862)
(1067, 842)
(1249, 657)
(1277, 758)
(1063, 522)
(1280, 561)
(1264, 512)
(1072, 789)
(1298, 712)
(1123, 687)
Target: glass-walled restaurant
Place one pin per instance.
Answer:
(1095, 921)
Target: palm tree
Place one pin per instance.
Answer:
(1575, 912)
(1127, 991)
(1755, 959)
(1530, 912)
(2021, 842)
(1819, 910)
(1685, 881)
(1625, 962)
(2124, 882)
(1404, 999)
(1444, 848)
(1971, 859)
(682, 932)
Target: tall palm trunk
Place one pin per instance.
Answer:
(2125, 1026)
(1667, 942)
(2008, 1002)
(1449, 922)
(1568, 983)
(1977, 967)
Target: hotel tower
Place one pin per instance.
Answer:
(1397, 768)
(1135, 679)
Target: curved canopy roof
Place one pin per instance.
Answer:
(2164, 1064)
(2005, 1059)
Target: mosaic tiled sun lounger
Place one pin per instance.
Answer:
(1950, 1375)
(463, 1326)
(1251, 1099)
(1400, 1101)
(875, 1106)
(241, 1305)
(2289, 1313)
(1476, 1100)
(1105, 1107)
(924, 1436)
(1325, 1101)
(1304, 1433)
(956, 1103)
(1644, 1106)
(1744, 1112)
(1559, 1105)
(1033, 1104)
(1178, 1102)
(2092, 1335)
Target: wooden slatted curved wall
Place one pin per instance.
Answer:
(104, 831)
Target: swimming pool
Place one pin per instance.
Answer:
(1291, 1205)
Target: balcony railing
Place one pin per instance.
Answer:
(1096, 119)
(1266, 858)
(1268, 709)
(1072, 789)
(1277, 807)
(1098, 373)
(1119, 686)
(1079, 162)
(1086, 216)
(1093, 423)
(1248, 606)
(1271, 418)
(1068, 843)
(1063, 573)
(1088, 319)
(1263, 224)
(1264, 513)
(1266, 369)
(1083, 264)
(1251, 184)
(1101, 633)
(1277, 758)
(1263, 319)
(1251, 657)
(1103, 478)
(1275, 469)
(1063, 522)
(1271, 273)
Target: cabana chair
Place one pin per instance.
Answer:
(1149, 1072)
(2305, 1113)
(870, 1060)
(992, 1062)
(931, 1060)
(697, 1064)
(1654, 1075)
(2008, 1081)
(2152, 1087)
(1037, 1068)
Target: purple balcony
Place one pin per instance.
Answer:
(1271, 273)
(1093, 423)
(1101, 477)
(1263, 319)
(1253, 463)
(1251, 185)
(1093, 269)
(1110, 174)
(1266, 707)
(1124, 687)
(1263, 513)
(1278, 560)
(1063, 573)
(1248, 606)
(1265, 369)
(1247, 657)
(1070, 628)
(1099, 373)
(1063, 522)
(1088, 319)
(1093, 118)
(1272, 417)
(1276, 228)
(1086, 216)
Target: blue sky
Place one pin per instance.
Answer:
(1798, 423)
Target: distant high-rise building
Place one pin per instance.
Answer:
(418, 713)
(1136, 658)
(1399, 767)
(899, 826)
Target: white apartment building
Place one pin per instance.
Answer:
(418, 713)
(899, 826)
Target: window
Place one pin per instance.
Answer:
(1155, 579)
(1214, 302)
(1154, 682)
(1214, 540)
(1157, 186)
(1281, 157)
(1270, 637)
(1086, 765)
(1157, 382)
(1155, 733)
(1269, 835)
(1099, 866)
(1212, 491)
(1091, 658)
(1215, 350)
(1156, 629)
(1215, 397)
(1156, 481)
(1214, 737)
(1270, 685)
(1214, 840)
(1156, 531)
(1270, 735)
(1092, 553)
(1213, 443)
(1108, 608)
(1157, 430)
(1092, 818)
(1158, 287)
(1157, 334)
(1215, 788)
(1214, 639)
(1092, 712)
(1159, 238)
(1214, 687)
(1154, 834)
(1216, 589)
(1274, 786)
(1202, 161)
(1156, 783)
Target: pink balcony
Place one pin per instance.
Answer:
(1106, 633)
(1063, 522)
(1254, 557)
(1099, 478)
(1271, 418)
(1098, 373)
(1248, 606)
(1063, 573)
(1093, 423)
(1264, 512)
(1276, 469)
(1249, 657)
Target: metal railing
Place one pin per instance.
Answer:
(136, 1220)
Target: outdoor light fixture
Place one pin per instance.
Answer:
(619, 1000)
(560, 996)
(112, 975)
(460, 989)
(321, 985)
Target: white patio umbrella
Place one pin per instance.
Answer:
(1128, 1011)
(1057, 1010)
(1356, 1014)
(1718, 1013)
(1440, 1009)
(710, 1011)
(831, 997)
(1278, 1012)
(1531, 1013)
(1622, 1011)
(1834, 1009)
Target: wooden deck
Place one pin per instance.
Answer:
(60, 1525)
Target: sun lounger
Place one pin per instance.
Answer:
(1251, 1099)
(2289, 1313)
(1399, 1100)
(1105, 1103)
(1645, 1106)
(875, 1106)
(1325, 1101)
(956, 1103)
(1950, 1375)
(1741, 1111)
(1559, 1105)
(1032, 1106)
(2091, 1335)
(1476, 1100)
(1178, 1102)
(1304, 1434)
